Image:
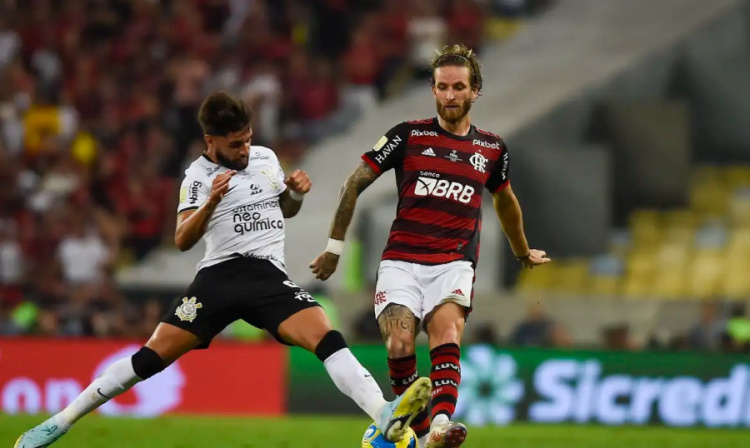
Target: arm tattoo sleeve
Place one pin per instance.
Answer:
(357, 182)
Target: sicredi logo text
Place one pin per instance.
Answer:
(573, 390)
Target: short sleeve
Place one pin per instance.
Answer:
(389, 150)
(273, 171)
(193, 193)
(280, 176)
(499, 178)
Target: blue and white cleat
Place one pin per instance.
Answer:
(41, 436)
(397, 415)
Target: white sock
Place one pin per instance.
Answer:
(439, 419)
(355, 382)
(116, 379)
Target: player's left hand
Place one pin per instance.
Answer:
(535, 257)
(324, 265)
(298, 182)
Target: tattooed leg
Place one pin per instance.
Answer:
(398, 326)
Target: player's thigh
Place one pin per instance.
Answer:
(287, 311)
(450, 282)
(305, 328)
(397, 284)
(210, 303)
(171, 342)
(399, 328)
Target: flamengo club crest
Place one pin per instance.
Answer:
(189, 309)
(478, 161)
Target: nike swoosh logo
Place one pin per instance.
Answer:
(232, 188)
(99, 391)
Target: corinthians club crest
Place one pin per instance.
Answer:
(189, 309)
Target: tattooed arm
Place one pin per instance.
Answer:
(355, 184)
(325, 264)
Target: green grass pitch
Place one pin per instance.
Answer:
(337, 432)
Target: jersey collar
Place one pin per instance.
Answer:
(440, 130)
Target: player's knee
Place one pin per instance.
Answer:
(332, 342)
(147, 363)
(450, 335)
(399, 345)
(441, 331)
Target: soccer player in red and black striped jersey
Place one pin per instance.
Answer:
(426, 275)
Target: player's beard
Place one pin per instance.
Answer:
(237, 165)
(454, 115)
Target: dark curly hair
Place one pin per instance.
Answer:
(460, 55)
(221, 114)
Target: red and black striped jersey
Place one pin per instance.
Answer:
(441, 178)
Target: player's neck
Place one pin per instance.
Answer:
(461, 128)
(210, 156)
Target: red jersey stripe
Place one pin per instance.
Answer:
(430, 242)
(436, 217)
(422, 258)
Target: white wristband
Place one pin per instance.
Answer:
(296, 196)
(335, 247)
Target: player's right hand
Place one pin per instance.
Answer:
(324, 265)
(220, 186)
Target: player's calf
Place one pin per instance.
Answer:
(403, 373)
(116, 379)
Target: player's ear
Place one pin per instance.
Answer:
(474, 94)
(209, 139)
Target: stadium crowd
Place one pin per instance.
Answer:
(97, 122)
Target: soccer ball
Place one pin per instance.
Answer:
(373, 438)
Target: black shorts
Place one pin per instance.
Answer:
(251, 289)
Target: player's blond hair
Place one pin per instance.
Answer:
(460, 55)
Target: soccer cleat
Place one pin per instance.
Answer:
(41, 436)
(397, 415)
(447, 435)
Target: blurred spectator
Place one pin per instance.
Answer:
(264, 93)
(82, 253)
(706, 333)
(465, 23)
(153, 311)
(393, 24)
(617, 337)
(10, 43)
(98, 104)
(315, 100)
(738, 327)
(366, 327)
(362, 65)
(427, 31)
(487, 333)
(12, 265)
(539, 330)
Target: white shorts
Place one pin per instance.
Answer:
(421, 288)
